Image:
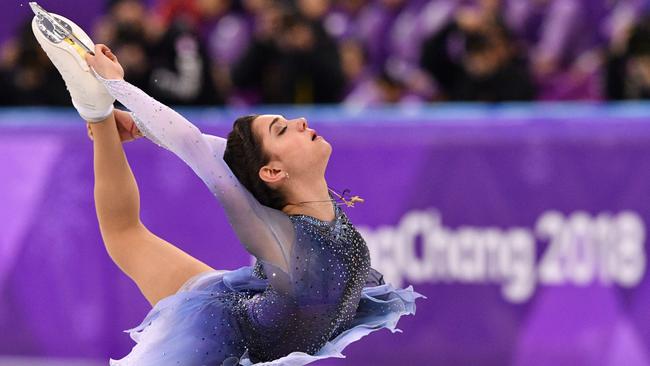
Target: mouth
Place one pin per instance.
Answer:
(314, 136)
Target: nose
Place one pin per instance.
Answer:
(302, 124)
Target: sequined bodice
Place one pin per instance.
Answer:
(330, 264)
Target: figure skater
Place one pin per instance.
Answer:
(312, 290)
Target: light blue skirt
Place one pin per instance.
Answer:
(196, 326)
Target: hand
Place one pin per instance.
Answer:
(126, 127)
(105, 63)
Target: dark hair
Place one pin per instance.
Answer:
(245, 157)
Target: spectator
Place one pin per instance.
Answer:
(290, 60)
(125, 29)
(248, 51)
(181, 69)
(27, 77)
(551, 28)
(122, 17)
(391, 31)
(163, 53)
(628, 70)
(365, 88)
(487, 68)
(374, 27)
(563, 55)
(201, 16)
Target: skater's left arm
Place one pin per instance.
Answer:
(154, 120)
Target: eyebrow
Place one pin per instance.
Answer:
(272, 122)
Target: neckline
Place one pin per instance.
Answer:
(335, 208)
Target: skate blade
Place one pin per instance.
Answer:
(57, 30)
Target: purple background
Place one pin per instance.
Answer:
(61, 296)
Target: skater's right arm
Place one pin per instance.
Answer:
(264, 232)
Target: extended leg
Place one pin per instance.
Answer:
(157, 267)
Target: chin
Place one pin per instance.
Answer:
(327, 152)
(317, 157)
(328, 148)
(322, 160)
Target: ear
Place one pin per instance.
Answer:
(271, 174)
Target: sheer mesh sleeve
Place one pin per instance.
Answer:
(266, 233)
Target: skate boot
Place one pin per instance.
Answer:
(66, 45)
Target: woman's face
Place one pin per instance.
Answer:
(292, 147)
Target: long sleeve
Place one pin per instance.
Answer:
(266, 233)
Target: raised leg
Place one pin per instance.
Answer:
(157, 267)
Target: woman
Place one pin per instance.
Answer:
(306, 298)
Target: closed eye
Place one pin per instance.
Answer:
(282, 130)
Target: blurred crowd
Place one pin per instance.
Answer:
(357, 52)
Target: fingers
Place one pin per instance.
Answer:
(126, 126)
(90, 59)
(101, 50)
(133, 131)
(122, 117)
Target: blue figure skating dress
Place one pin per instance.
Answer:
(311, 293)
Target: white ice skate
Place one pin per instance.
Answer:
(66, 45)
